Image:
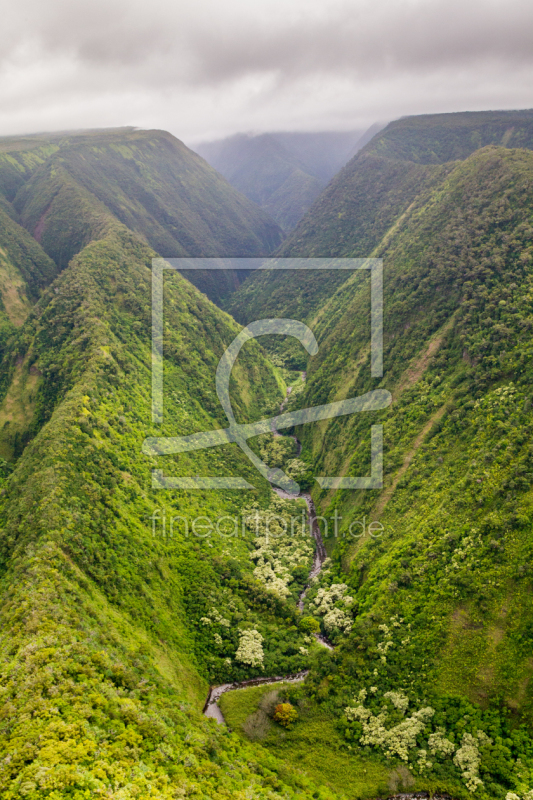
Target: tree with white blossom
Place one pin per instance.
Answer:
(250, 650)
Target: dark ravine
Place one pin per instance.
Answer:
(211, 708)
(320, 551)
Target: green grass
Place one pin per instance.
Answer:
(313, 745)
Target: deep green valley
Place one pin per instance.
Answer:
(122, 602)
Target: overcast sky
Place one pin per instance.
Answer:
(207, 68)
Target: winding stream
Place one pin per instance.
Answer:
(211, 707)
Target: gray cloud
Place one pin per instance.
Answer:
(209, 68)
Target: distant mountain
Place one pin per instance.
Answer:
(282, 172)
(324, 153)
(369, 197)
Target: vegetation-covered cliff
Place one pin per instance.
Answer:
(63, 189)
(116, 616)
(439, 612)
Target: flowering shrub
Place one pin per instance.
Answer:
(297, 469)
(337, 619)
(468, 759)
(439, 744)
(333, 604)
(282, 544)
(250, 650)
(398, 700)
(216, 617)
(423, 764)
(397, 740)
(513, 796)
(326, 598)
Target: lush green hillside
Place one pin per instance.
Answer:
(65, 188)
(343, 221)
(368, 207)
(371, 194)
(437, 138)
(435, 611)
(289, 201)
(24, 270)
(114, 623)
(113, 626)
(114, 620)
(20, 157)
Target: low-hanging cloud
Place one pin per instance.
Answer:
(209, 68)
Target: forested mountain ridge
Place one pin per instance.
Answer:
(373, 192)
(114, 620)
(439, 615)
(63, 188)
(63, 191)
(333, 226)
(437, 138)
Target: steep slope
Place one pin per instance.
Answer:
(289, 201)
(20, 157)
(112, 621)
(371, 194)
(117, 608)
(334, 226)
(267, 173)
(25, 271)
(25, 268)
(148, 180)
(431, 609)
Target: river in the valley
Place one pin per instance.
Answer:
(211, 708)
